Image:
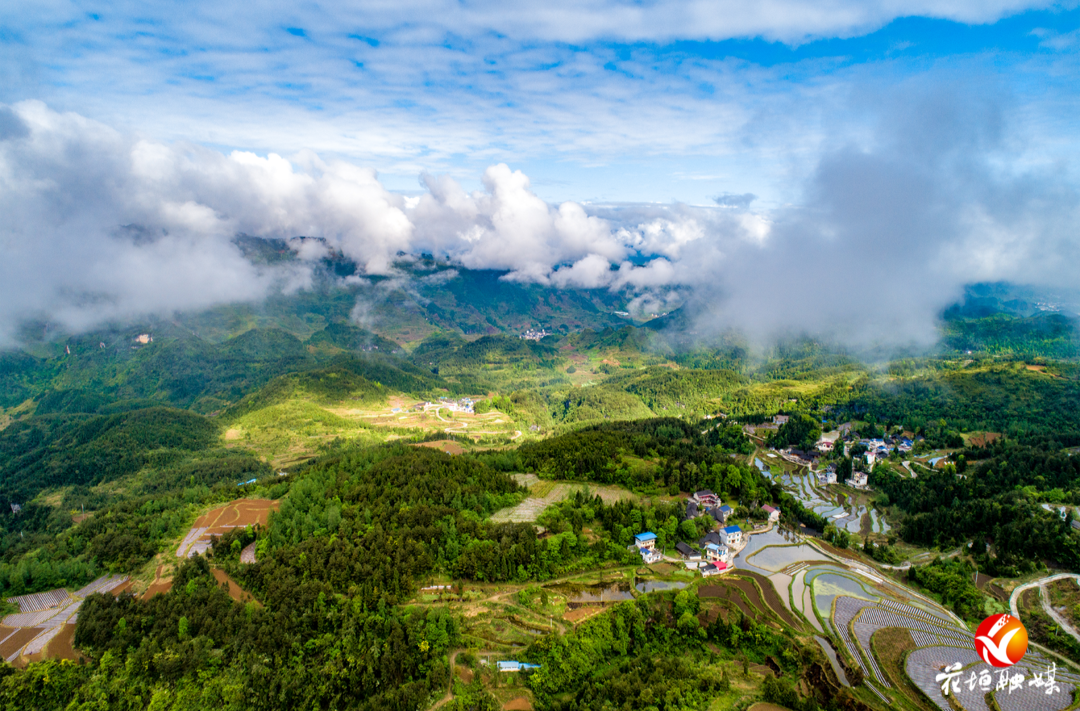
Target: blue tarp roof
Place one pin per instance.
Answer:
(647, 536)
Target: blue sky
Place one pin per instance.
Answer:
(595, 101)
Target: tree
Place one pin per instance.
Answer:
(802, 431)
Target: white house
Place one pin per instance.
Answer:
(706, 498)
(717, 553)
(826, 477)
(650, 555)
(774, 513)
(732, 536)
(859, 479)
(645, 540)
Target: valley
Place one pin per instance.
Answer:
(475, 499)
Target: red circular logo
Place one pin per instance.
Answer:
(1001, 640)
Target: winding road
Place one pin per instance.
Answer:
(1014, 601)
(462, 427)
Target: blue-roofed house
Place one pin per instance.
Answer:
(725, 511)
(715, 552)
(513, 666)
(732, 535)
(645, 540)
(650, 555)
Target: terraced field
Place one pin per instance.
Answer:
(39, 629)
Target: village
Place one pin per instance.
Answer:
(464, 405)
(715, 552)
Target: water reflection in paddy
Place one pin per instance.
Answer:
(854, 522)
(648, 586)
(758, 541)
(827, 585)
(775, 558)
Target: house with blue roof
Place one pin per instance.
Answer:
(513, 666)
(732, 535)
(650, 555)
(645, 540)
(715, 552)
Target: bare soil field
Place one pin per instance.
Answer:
(731, 594)
(984, 582)
(60, 647)
(217, 521)
(242, 512)
(122, 588)
(772, 598)
(581, 613)
(981, 439)
(518, 703)
(16, 641)
(546, 493)
(235, 591)
(159, 586)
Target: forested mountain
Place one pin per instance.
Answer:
(438, 490)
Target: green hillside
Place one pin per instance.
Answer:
(448, 495)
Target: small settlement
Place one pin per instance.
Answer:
(464, 404)
(715, 552)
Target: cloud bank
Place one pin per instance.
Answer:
(104, 225)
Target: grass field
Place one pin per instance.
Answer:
(288, 432)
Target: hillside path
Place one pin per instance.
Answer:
(450, 685)
(1044, 598)
(1014, 599)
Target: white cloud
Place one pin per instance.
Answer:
(892, 224)
(507, 226)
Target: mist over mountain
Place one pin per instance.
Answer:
(104, 225)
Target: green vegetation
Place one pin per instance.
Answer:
(993, 505)
(951, 582)
(143, 437)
